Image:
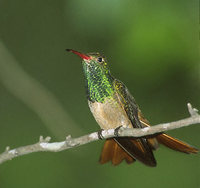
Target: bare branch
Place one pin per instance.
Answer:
(44, 145)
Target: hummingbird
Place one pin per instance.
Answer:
(112, 106)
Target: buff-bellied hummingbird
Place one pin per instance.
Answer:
(112, 106)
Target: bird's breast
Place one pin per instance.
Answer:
(109, 114)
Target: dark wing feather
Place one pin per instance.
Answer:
(137, 148)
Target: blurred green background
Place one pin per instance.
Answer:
(152, 46)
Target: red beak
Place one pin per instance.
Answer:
(83, 56)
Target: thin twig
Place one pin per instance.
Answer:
(44, 145)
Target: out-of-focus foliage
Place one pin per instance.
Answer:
(152, 46)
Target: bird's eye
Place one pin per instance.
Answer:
(99, 59)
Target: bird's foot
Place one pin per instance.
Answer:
(100, 136)
(116, 132)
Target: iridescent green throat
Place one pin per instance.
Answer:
(99, 82)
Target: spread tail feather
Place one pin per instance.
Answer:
(175, 144)
(114, 153)
(118, 149)
(138, 149)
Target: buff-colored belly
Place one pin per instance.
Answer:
(109, 114)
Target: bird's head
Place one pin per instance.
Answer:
(93, 61)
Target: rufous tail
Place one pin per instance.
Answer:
(114, 153)
(175, 144)
(118, 149)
